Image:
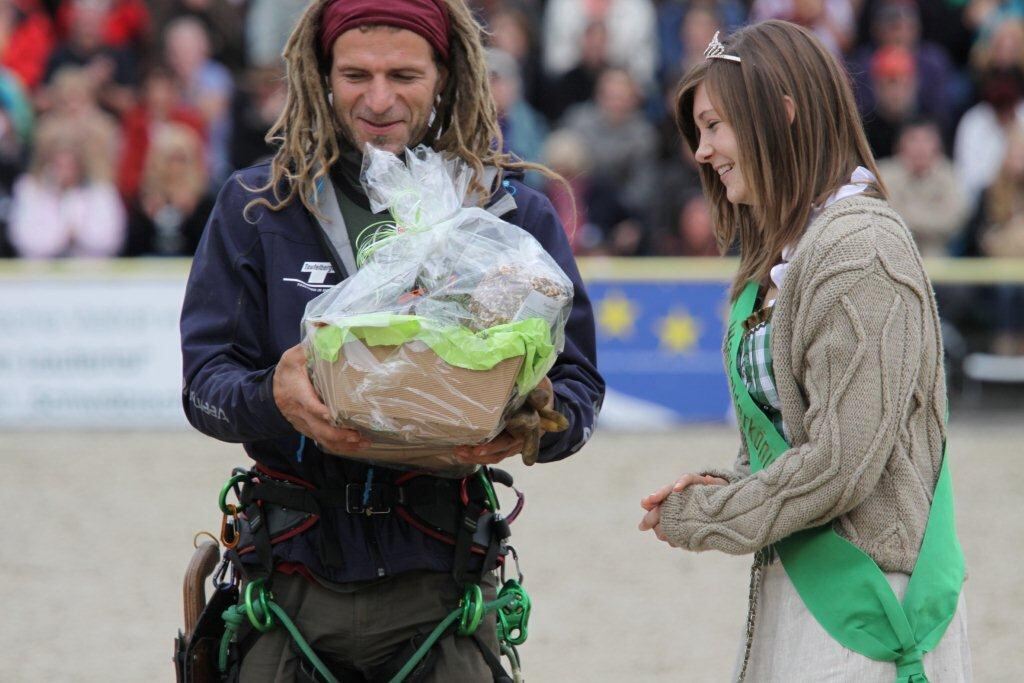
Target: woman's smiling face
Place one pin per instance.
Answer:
(718, 147)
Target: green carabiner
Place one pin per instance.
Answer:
(492, 497)
(472, 610)
(514, 617)
(231, 483)
(265, 623)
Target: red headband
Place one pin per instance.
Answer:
(428, 18)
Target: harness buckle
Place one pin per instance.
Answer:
(365, 499)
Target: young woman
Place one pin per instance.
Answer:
(835, 366)
(65, 204)
(174, 200)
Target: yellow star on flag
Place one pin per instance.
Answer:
(678, 331)
(616, 315)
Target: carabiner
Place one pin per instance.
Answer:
(265, 620)
(492, 498)
(515, 556)
(233, 482)
(229, 531)
(472, 604)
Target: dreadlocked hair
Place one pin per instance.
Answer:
(306, 134)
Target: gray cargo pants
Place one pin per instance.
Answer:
(363, 624)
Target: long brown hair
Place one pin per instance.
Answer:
(307, 132)
(789, 167)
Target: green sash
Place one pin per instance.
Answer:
(841, 585)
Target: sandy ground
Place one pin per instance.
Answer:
(98, 529)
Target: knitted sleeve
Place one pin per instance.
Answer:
(857, 336)
(740, 468)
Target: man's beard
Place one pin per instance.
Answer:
(347, 138)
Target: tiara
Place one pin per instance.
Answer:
(717, 51)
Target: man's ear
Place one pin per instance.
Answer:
(790, 107)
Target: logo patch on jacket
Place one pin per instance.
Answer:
(317, 272)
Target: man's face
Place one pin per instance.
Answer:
(384, 83)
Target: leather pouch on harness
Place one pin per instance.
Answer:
(196, 661)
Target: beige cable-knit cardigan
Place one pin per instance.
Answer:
(858, 363)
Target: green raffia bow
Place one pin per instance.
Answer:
(376, 235)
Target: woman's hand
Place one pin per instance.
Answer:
(655, 499)
(652, 503)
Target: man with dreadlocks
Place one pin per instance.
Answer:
(361, 583)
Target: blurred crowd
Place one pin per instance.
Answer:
(120, 119)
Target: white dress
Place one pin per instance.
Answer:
(790, 646)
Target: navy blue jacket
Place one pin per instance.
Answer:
(246, 294)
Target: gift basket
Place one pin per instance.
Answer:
(452, 318)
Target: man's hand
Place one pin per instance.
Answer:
(491, 453)
(297, 400)
(652, 503)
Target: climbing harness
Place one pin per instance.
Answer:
(272, 507)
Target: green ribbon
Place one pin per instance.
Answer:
(842, 587)
(456, 345)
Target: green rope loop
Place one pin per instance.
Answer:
(236, 615)
(440, 629)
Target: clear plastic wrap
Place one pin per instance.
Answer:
(452, 318)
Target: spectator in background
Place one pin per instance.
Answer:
(981, 134)
(621, 143)
(207, 86)
(224, 23)
(566, 155)
(72, 95)
(65, 205)
(111, 69)
(678, 44)
(677, 179)
(159, 104)
(522, 128)
(513, 31)
(26, 40)
(896, 23)
(125, 22)
(268, 24)
(700, 23)
(632, 37)
(1002, 235)
(832, 21)
(174, 200)
(923, 187)
(15, 137)
(577, 84)
(692, 232)
(981, 15)
(895, 84)
(259, 100)
(14, 100)
(589, 210)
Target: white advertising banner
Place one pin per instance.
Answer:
(93, 350)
